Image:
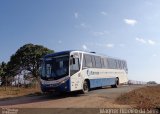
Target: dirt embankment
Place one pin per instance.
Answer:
(146, 97)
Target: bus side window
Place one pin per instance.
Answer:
(119, 67)
(111, 63)
(102, 62)
(121, 64)
(74, 65)
(98, 62)
(105, 63)
(88, 61)
(93, 61)
(84, 62)
(80, 59)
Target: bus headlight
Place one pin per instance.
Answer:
(63, 82)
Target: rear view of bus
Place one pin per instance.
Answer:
(77, 70)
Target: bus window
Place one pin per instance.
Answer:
(88, 61)
(74, 65)
(93, 61)
(80, 59)
(102, 62)
(118, 64)
(105, 63)
(114, 64)
(98, 62)
(121, 64)
(84, 62)
(111, 63)
(48, 69)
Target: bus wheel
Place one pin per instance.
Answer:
(116, 83)
(85, 87)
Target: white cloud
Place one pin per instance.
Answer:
(99, 33)
(103, 13)
(76, 15)
(83, 25)
(131, 22)
(110, 45)
(85, 48)
(59, 41)
(151, 42)
(141, 40)
(101, 45)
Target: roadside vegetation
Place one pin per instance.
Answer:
(20, 75)
(25, 59)
(11, 92)
(145, 98)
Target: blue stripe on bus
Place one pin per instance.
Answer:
(65, 87)
(102, 82)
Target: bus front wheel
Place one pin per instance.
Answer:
(85, 87)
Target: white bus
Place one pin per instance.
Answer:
(78, 70)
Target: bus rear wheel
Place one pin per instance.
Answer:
(116, 83)
(85, 87)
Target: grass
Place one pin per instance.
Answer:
(15, 91)
(146, 98)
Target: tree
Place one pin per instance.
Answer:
(3, 71)
(2, 68)
(27, 58)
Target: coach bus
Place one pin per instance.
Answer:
(78, 70)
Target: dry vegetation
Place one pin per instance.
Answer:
(7, 92)
(146, 97)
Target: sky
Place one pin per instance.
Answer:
(126, 29)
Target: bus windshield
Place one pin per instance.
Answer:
(55, 67)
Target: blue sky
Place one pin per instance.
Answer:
(127, 29)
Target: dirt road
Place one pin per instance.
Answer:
(97, 98)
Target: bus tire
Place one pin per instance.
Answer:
(116, 83)
(85, 87)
